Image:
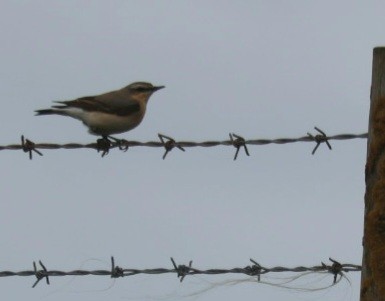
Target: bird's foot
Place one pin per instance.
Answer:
(122, 144)
(103, 145)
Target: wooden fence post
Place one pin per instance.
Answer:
(373, 261)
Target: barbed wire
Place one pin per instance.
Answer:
(336, 269)
(104, 145)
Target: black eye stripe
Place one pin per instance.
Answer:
(142, 89)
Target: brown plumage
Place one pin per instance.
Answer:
(109, 113)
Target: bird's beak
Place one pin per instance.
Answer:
(157, 88)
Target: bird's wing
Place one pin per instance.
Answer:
(112, 103)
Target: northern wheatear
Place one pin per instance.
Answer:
(110, 113)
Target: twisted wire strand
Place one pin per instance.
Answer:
(133, 143)
(169, 143)
(336, 269)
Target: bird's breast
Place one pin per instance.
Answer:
(107, 124)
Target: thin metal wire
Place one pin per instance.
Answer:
(336, 269)
(169, 143)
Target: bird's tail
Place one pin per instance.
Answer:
(50, 112)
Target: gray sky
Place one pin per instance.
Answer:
(261, 69)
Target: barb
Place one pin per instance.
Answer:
(182, 270)
(238, 142)
(169, 143)
(319, 138)
(28, 147)
(335, 269)
(40, 274)
(255, 269)
(116, 271)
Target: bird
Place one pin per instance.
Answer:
(110, 113)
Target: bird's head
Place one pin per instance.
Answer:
(142, 89)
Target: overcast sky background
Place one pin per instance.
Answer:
(261, 69)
